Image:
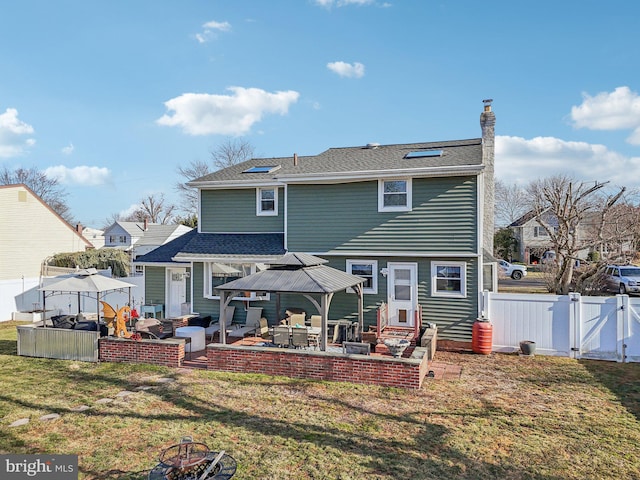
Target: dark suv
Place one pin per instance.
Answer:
(622, 278)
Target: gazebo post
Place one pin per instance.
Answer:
(223, 316)
(324, 306)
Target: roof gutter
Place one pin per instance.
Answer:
(329, 177)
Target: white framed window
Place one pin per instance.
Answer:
(449, 279)
(267, 201)
(367, 269)
(216, 274)
(123, 239)
(394, 195)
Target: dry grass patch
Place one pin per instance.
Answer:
(508, 417)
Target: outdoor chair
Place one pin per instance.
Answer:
(316, 321)
(214, 327)
(156, 328)
(251, 324)
(281, 336)
(299, 337)
(296, 319)
(263, 329)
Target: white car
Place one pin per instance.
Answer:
(514, 271)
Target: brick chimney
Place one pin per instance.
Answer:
(487, 123)
(146, 223)
(79, 228)
(295, 159)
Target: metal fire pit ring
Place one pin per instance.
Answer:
(190, 460)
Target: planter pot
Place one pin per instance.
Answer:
(527, 347)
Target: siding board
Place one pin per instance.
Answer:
(443, 218)
(234, 211)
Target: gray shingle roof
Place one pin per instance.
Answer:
(456, 153)
(202, 245)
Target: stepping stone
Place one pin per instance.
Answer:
(50, 416)
(124, 393)
(165, 380)
(19, 423)
(80, 408)
(104, 400)
(144, 387)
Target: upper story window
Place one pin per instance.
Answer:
(112, 239)
(540, 232)
(123, 239)
(394, 195)
(449, 279)
(267, 201)
(367, 269)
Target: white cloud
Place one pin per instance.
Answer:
(68, 150)
(519, 160)
(12, 134)
(210, 29)
(82, 175)
(235, 114)
(130, 210)
(617, 110)
(355, 70)
(342, 3)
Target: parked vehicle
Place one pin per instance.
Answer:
(548, 257)
(511, 270)
(622, 278)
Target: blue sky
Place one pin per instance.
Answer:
(112, 96)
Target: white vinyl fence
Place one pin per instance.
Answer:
(576, 326)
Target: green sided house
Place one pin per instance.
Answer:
(414, 220)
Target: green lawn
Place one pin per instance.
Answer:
(508, 417)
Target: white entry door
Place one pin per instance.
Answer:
(402, 292)
(176, 291)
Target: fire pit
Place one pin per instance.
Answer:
(191, 460)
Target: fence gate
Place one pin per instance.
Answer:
(576, 326)
(631, 336)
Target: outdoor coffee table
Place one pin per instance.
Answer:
(196, 335)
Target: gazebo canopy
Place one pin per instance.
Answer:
(297, 273)
(87, 281)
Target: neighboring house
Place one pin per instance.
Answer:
(31, 232)
(140, 238)
(95, 236)
(415, 220)
(533, 239)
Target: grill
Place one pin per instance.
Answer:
(189, 460)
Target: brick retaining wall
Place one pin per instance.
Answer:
(169, 353)
(372, 370)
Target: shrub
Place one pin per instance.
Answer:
(100, 259)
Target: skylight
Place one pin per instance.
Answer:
(424, 154)
(262, 169)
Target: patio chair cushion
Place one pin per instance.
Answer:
(63, 321)
(251, 325)
(203, 322)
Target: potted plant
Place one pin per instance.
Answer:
(528, 347)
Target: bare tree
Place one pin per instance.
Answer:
(48, 189)
(155, 209)
(195, 169)
(570, 203)
(229, 152)
(511, 202)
